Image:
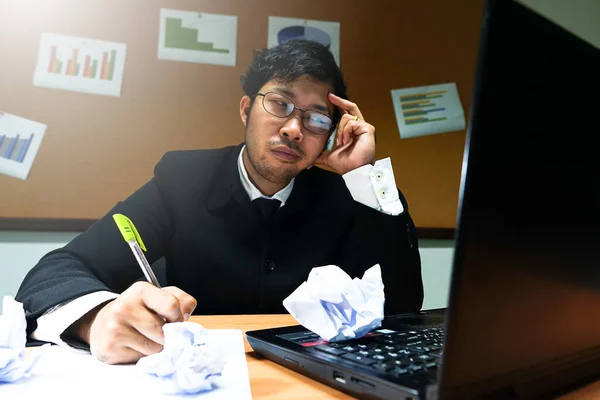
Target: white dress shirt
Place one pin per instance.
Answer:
(371, 185)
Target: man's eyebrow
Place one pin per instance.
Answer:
(314, 106)
(284, 90)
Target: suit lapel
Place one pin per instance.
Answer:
(226, 185)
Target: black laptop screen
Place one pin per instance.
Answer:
(526, 279)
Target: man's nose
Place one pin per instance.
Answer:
(292, 129)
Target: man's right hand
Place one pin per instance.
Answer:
(130, 327)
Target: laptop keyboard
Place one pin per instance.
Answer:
(396, 353)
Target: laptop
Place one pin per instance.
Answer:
(523, 317)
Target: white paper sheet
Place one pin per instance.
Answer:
(197, 37)
(327, 33)
(20, 139)
(67, 375)
(80, 64)
(426, 110)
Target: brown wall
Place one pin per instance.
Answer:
(99, 149)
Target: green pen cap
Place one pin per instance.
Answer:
(128, 230)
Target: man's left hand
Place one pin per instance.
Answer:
(355, 139)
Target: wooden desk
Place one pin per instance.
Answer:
(267, 379)
(272, 381)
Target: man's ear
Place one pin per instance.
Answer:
(245, 108)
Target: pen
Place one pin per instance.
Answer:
(133, 238)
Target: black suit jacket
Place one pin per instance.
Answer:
(196, 214)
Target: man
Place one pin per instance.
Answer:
(225, 252)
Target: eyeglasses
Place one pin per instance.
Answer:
(282, 106)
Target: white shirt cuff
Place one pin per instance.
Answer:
(375, 187)
(56, 320)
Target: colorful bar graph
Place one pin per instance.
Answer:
(14, 148)
(107, 70)
(80, 65)
(73, 66)
(55, 65)
(415, 107)
(427, 110)
(90, 66)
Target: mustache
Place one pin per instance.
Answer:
(288, 143)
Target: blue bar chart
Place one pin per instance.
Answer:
(14, 148)
(20, 139)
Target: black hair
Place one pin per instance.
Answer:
(289, 61)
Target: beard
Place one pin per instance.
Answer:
(260, 163)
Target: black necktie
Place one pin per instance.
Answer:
(266, 208)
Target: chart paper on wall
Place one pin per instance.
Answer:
(325, 32)
(20, 139)
(197, 37)
(80, 64)
(427, 110)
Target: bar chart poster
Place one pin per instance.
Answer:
(427, 110)
(197, 37)
(80, 64)
(327, 33)
(20, 139)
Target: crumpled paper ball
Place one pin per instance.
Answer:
(13, 337)
(189, 363)
(337, 307)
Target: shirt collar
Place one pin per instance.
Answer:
(253, 191)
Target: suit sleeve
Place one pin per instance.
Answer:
(98, 259)
(391, 242)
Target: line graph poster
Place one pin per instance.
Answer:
(20, 139)
(80, 64)
(282, 29)
(426, 110)
(197, 37)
